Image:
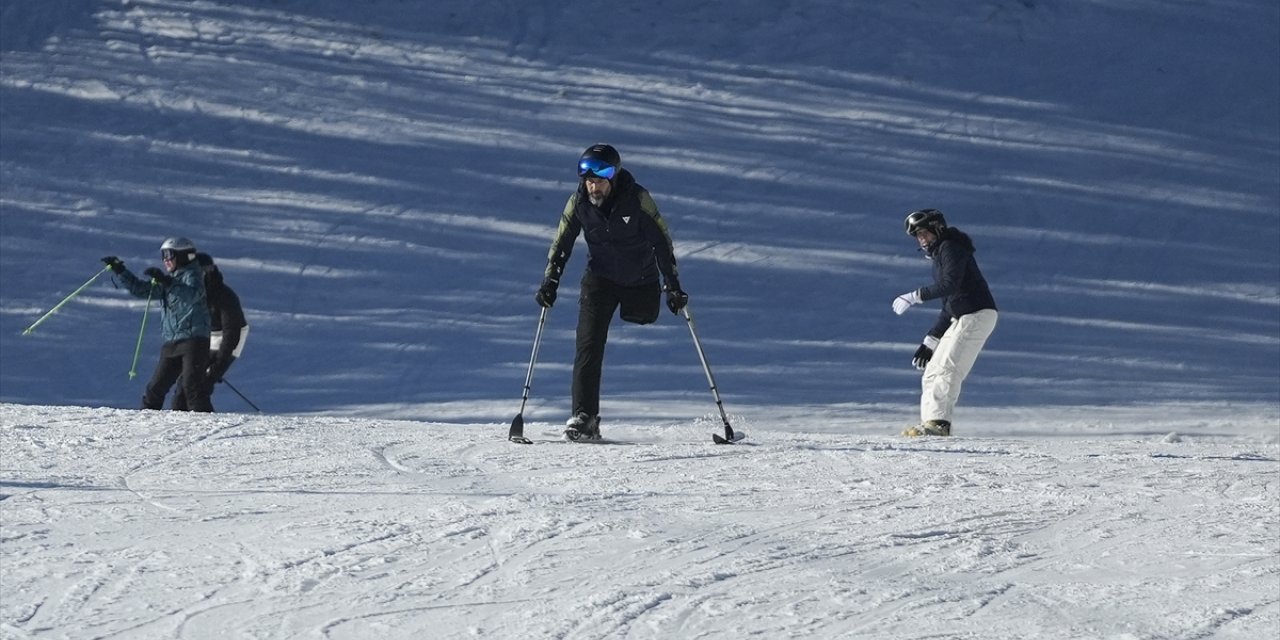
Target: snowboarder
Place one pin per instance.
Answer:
(228, 329)
(967, 319)
(628, 246)
(184, 322)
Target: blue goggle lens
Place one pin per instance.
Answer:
(597, 168)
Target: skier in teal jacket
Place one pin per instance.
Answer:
(184, 323)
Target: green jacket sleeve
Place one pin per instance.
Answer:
(659, 236)
(566, 234)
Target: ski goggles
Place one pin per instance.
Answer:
(596, 167)
(170, 255)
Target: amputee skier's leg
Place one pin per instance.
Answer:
(595, 311)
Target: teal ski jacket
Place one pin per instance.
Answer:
(186, 312)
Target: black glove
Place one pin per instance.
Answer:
(159, 276)
(924, 353)
(218, 365)
(116, 265)
(547, 292)
(676, 298)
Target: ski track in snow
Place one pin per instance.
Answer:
(125, 524)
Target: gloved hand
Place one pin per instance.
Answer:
(159, 276)
(547, 292)
(904, 301)
(925, 352)
(676, 297)
(218, 365)
(116, 265)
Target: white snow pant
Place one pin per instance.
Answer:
(951, 362)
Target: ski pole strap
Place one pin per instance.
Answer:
(64, 301)
(133, 371)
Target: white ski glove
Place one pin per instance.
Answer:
(904, 301)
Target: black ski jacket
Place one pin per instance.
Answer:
(628, 242)
(956, 279)
(225, 313)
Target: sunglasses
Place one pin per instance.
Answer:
(596, 167)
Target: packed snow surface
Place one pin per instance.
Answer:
(128, 524)
(380, 180)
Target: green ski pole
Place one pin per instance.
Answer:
(64, 301)
(133, 371)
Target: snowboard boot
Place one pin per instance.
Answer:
(582, 427)
(929, 428)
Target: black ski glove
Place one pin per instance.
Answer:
(218, 365)
(116, 265)
(676, 297)
(547, 292)
(159, 276)
(924, 353)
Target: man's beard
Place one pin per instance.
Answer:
(596, 200)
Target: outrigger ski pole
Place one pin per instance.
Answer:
(729, 436)
(516, 434)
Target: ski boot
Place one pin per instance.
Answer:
(582, 427)
(929, 428)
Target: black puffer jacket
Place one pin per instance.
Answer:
(225, 313)
(628, 242)
(956, 279)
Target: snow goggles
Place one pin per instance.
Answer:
(596, 167)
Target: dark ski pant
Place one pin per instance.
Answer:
(187, 359)
(213, 377)
(600, 298)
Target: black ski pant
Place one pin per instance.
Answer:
(187, 359)
(600, 298)
(217, 369)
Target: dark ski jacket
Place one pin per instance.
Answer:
(956, 279)
(628, 242)
(186, 312)
(225, 313)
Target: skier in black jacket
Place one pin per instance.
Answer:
(967, 318)
(628, 247)
(227, 324)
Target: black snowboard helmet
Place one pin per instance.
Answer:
(930, 219)
(599, 161)
(182, 250)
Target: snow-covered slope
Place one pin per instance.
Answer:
(379, 181)
(125, 524)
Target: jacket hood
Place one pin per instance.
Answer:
(951, 234)
(212, 277)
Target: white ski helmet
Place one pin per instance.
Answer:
(181, 249)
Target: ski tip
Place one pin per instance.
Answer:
(519, 440)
